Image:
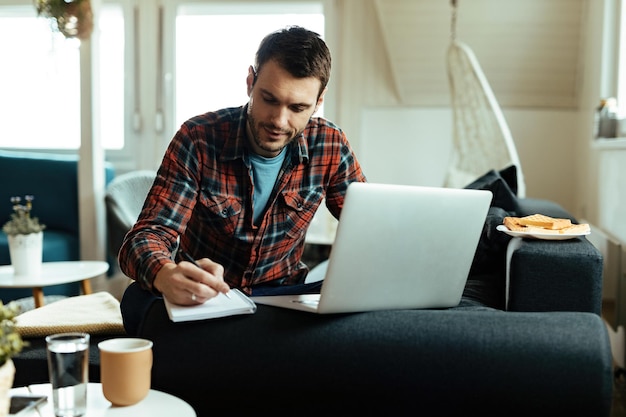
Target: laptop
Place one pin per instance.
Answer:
(397, 247)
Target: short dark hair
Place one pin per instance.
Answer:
(300, 51)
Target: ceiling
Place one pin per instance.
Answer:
(530, 51)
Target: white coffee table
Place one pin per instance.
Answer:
(54, 273)
(156, 404)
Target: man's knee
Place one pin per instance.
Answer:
(134, 306)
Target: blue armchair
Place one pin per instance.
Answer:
(53, 180)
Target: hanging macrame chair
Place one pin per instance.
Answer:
(482, 140)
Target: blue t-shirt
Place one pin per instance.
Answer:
(264, 174)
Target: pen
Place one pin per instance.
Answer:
(188, 258)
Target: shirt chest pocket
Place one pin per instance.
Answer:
(298, 210)
(220, 212)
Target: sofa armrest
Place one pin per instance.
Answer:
(564, 275)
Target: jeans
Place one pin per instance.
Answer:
(136, 301)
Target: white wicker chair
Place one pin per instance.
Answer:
(124, 200)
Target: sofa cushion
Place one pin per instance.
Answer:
(57, 246)
(60, 246)
(442, 362)
(53, 181)
(527, 206)
(50, 178)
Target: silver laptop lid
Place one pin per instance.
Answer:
(401, 246)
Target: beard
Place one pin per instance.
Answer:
(257, 129)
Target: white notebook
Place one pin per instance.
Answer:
(218, 306)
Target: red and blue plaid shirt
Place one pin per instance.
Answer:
(203, 193)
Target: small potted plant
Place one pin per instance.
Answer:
(11, 344)
(25, 235)
(73, 18)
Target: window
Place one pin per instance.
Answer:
(41, 78)
(39, 81)
(215, 45)
(158, 66)
(113, 108)
(612, 65)
(621, 77)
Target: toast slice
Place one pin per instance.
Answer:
(512, 223)
(581, 228)
(540, 223)
(545, 222)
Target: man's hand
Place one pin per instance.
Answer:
(187, 284)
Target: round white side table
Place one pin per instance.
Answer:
(156, 404)
(54, 273)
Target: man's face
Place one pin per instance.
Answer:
(280, 107)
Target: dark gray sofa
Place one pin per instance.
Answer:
(548, 355)
(432, 363)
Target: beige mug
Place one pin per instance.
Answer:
(125, 369)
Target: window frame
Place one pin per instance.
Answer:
(169, 50)
(149, 42)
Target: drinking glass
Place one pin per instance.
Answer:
(68, 367)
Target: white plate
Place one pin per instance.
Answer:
(539, 235)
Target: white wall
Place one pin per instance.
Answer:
(412, 146)
(405, 145)
(546, 143)
(612, 192)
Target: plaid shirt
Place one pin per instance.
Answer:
(203, 193)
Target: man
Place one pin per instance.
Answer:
(238, 188)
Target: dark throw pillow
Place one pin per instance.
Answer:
(502, 184)
(487, 277)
